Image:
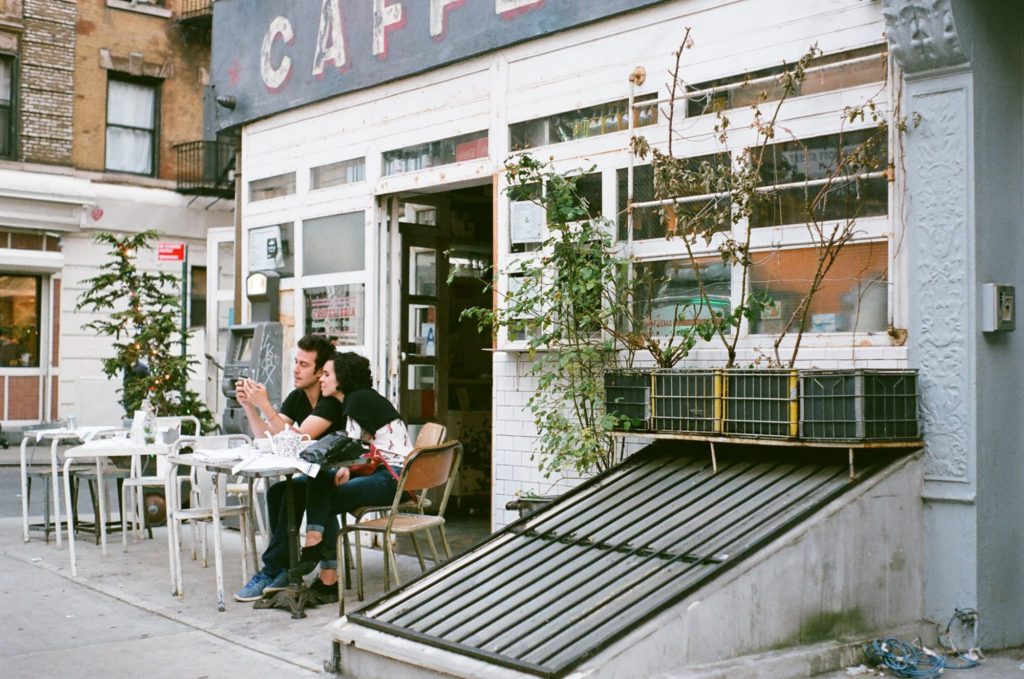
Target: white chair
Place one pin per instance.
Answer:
(208, 490)
(133, 501)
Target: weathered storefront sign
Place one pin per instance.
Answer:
(273, 56)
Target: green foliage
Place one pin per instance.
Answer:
(580, 315)
(565, 302)
(140, 311)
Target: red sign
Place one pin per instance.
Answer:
(170, 252)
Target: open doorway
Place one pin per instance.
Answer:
(445, 371)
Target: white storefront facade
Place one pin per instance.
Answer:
(364, 199)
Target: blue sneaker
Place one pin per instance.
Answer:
(278, 583)
(254, 589)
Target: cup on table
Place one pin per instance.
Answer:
(263, 445)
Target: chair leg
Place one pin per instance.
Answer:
(93, 495)
(125, 489)
(343, 535)
(359, 565)
(419, 553)
(46, 512)
(344, 556)
(444, 542)
(390, 564)
(433, 549)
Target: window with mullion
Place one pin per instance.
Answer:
(132, 116)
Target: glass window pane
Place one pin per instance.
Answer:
(421, 392)
(668, 298)
(129, 150)
(6, 73)
(422, 330)
(434, 153)
(705, 176)
(226, 266)
(270, 249)
(19, 320)
(812, 159)
(197, 291)
(854, 296)
(423, 271)
(337, 174)
(591, 121)
(337, 312)
(333, 244)
(225, 317)
(272, 187)
(131, 104)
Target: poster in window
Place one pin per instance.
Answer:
(266, 249)
(337, 312)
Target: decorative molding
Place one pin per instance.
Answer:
(922, 34)
(141, 6)
(135, 64)
(939, 282)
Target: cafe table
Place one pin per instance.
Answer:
(56, 436)
(101, 450)
(243, 461)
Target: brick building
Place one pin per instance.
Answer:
(94, 98)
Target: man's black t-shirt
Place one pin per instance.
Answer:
(296, 407)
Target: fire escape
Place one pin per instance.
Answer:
(206, 166)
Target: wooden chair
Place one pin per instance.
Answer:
(425, 468)
(430, 434)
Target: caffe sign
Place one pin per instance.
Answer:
(273, 56)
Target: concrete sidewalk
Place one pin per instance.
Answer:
(118, 616)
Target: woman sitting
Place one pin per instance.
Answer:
(369, 417)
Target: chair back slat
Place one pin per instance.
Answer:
(430, 434)
(430, 467)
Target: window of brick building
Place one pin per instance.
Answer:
(6, 106)
(132, 134)
(19, 320)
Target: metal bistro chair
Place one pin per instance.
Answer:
(200, 511)
(425, 468)
(133, 488)
(430, 434)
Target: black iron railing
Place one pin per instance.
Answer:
(196, 9)
(206, 168)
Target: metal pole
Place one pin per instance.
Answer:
(184, 297)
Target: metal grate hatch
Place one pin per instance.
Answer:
(552, 589)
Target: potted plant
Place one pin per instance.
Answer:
(703, 201)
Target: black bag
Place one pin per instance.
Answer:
(334, 447)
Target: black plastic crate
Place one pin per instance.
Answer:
(761, 403)
(627, 394)
(859, 405)
(688, 401)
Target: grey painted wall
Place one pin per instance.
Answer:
(964, 164)
(992, 38)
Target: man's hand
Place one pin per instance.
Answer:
(256, 394)
(241, 395)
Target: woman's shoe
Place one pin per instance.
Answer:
(308, 560)
(325, 594)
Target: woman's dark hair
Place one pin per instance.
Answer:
(352, 372)
(321, 345)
